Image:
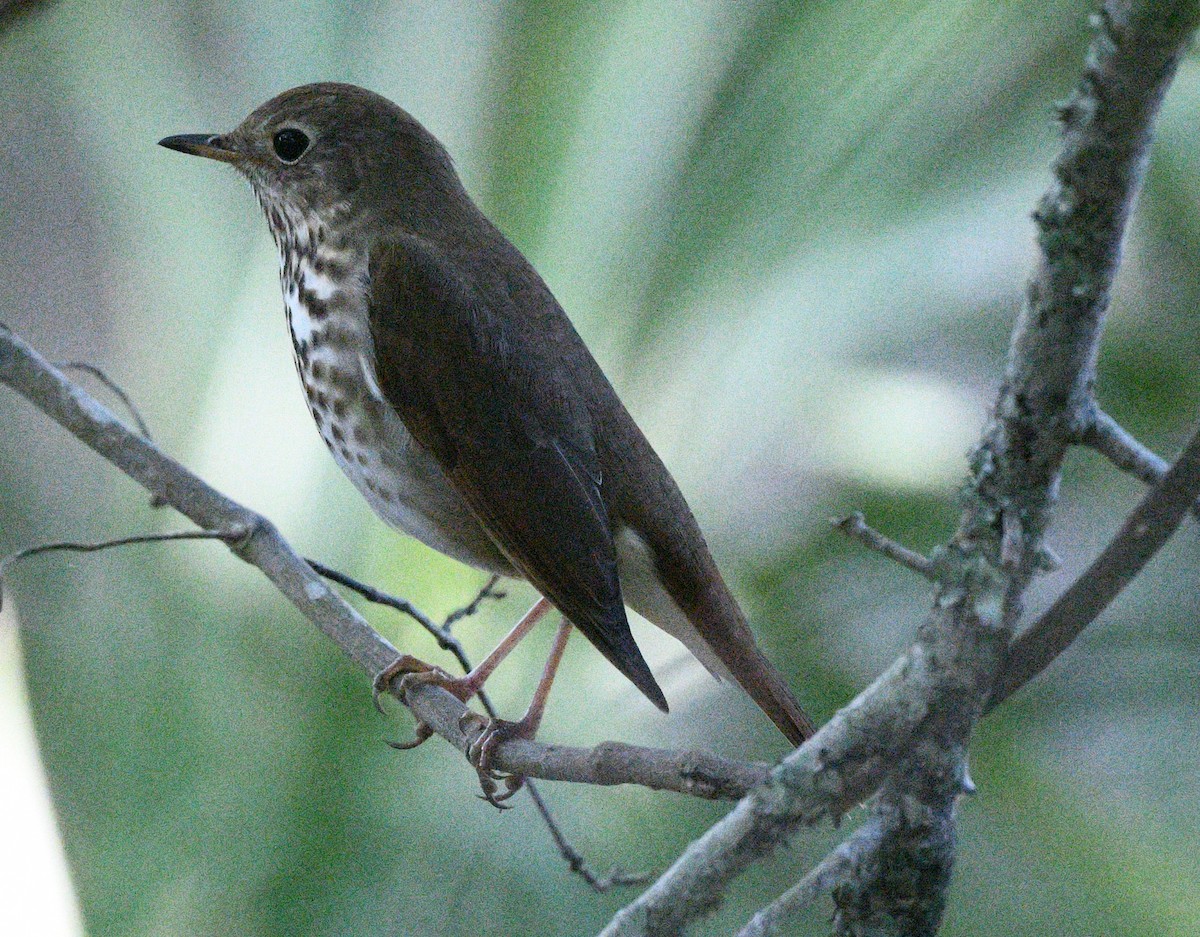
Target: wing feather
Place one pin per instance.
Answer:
(511, 431)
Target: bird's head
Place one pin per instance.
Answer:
(327, 148)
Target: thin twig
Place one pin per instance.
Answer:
(119, 393)
(1122, 449)
(782, 912)
(1144, 532)
(489, 591)
(616, 877)
(445, 640)
(70, 546)
(113, 386)
(856, 527)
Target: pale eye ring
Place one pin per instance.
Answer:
(290, 144)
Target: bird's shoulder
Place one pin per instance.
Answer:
(471, 346)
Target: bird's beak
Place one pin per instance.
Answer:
(202, 144)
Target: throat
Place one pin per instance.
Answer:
(324, 301)
(321, 286)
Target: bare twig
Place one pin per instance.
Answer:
(68, 546)
(616, 877)
(1115, 443)
(119, 393)
(445, 640)
(489, 591)
(856, 527)
(113, 386)
(1144, 532)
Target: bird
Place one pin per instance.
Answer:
(455, 393)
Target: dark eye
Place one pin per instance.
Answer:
(290, 144)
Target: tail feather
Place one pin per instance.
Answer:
(707, 619)
(723, 627)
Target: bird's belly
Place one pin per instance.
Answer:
(405, 487)
(399, 478)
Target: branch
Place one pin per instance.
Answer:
(1046, 401)
(899, 883)
(833, 869)
(935, 693)
(257, 541)
(925, 702)
(1143, 534)
(1115, 443)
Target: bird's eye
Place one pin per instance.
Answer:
(290, 144)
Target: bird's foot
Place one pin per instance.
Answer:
(404, 664)
(412, 668)
(461, 688)
(490, 790)
(483, 749)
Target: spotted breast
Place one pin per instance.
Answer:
(324, 282)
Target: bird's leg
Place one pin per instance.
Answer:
(467, 686)
(463, 688)
(500, 730)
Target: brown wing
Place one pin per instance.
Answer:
(506, 424)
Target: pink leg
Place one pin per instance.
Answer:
(481, 750)
(462, 687)
(537, 706)
(479, 675)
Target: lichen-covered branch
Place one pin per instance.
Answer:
(824, 877)
(1143, 534)
(1043, 406)
(925, 703)
(898, 884)
(1047, 401)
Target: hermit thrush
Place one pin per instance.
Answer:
(454, 392)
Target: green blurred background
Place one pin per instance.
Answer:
(794, 234)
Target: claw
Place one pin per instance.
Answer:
(421, 734)
(487, 783)
(488, 790)
(483, 748)
(382, 684)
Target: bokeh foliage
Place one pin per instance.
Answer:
(795, 234)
